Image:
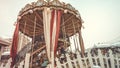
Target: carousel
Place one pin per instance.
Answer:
(44, 29)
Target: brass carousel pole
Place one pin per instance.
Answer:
(74, 35)
(33, 43)
(21, 41)
(64, 33)
(81, 43)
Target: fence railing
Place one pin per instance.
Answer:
(75, 60)
(108, 60)
(22, 64)
(6, 65)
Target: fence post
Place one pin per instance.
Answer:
(100, 56)
(21, 64)
(7, 65)
(27, 59)
(111, 59)
(90, 58)
(1, 66)
(69, 61)
(79, 59)
(118, 64)
(58, 63)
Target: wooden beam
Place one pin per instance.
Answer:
(38, 50)
(69, 18)
(27, 60)
(30, 32)
(81, 44)
(39, 17)
(28, 19)
(30, 27)
(64, 23)
(36, 33)
(66, 26)
(33, 21)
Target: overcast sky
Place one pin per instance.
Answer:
(101, 18)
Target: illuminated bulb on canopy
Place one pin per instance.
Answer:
(65, 11)
(19, 17)
(77, 15)
(48, 9)
(31, 11)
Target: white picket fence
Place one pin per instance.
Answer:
(108, 60)
(7, 65)
(22, 64)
